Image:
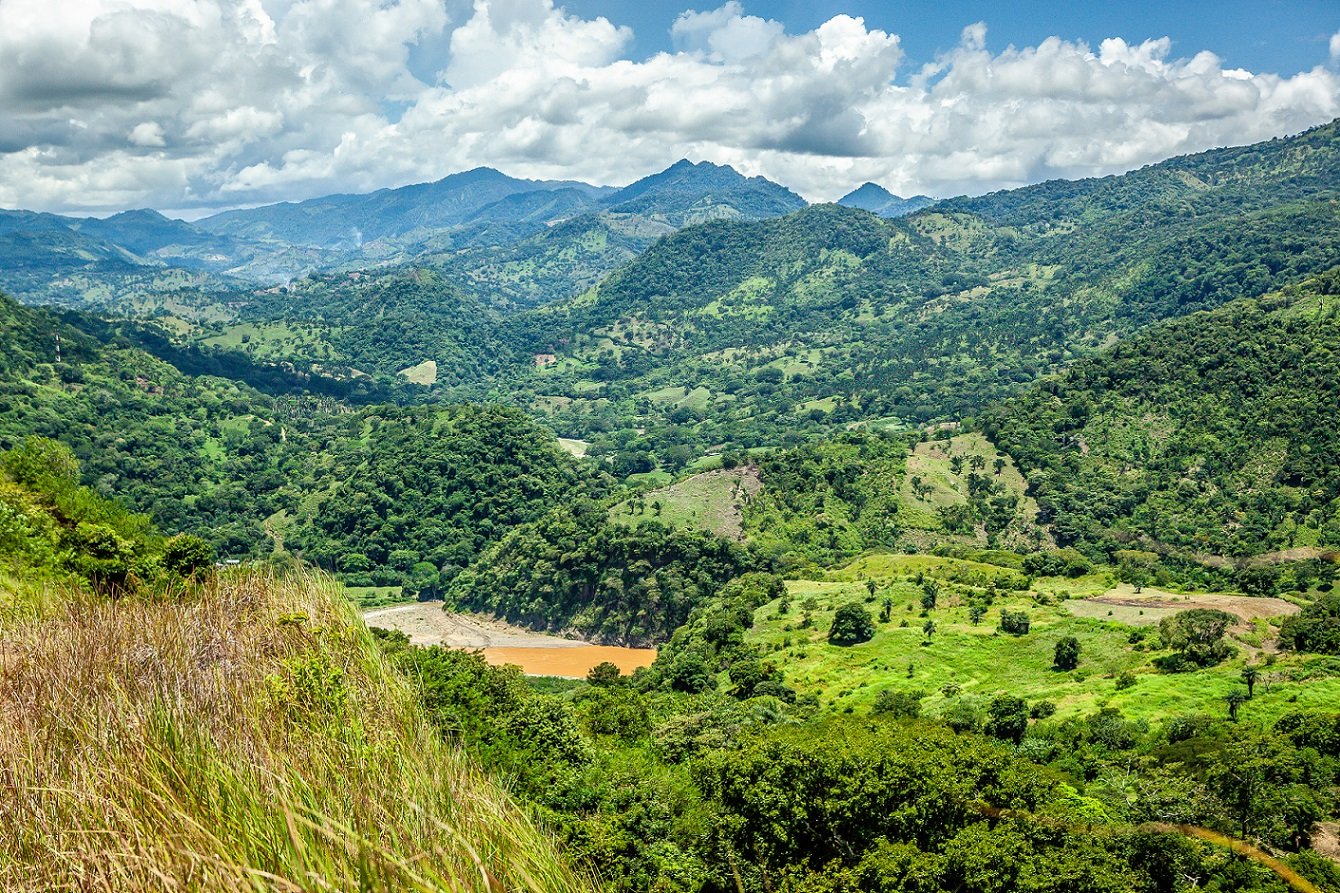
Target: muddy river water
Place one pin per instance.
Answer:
(537, 654)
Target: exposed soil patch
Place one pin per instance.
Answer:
(537, 654)
(1327, 840)
(427, 624)
(1147, 607)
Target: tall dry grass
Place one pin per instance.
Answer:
(245, 736)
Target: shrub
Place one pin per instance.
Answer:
(1042, 710)
(1066, 654)
(898, 704)
(1015, 623)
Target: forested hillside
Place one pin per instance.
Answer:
(1214, 434)
(832, 314)
(373, 491)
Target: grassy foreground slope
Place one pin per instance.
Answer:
(245, 736)
(162, 728)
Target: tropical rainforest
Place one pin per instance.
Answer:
(986, 544)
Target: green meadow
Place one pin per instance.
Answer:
(960, 661)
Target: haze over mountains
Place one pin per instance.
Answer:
(482, 211)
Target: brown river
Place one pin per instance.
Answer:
(537, 654)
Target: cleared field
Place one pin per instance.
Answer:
(713, 501)
(574, 447)
(979, 661)
(424, 373)
(1147, 607)
(274, 339)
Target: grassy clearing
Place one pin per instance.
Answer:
(712, 501)
(981, 661)
(574, 447)
(273, 340)
(932, 465)
(424, 373)
(375, 596)
(247, 736)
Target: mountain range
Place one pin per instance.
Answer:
(480, 222)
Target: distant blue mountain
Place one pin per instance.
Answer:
(348, 221)
(502, 233)
(878, 200)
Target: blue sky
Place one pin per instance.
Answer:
(1282, 36)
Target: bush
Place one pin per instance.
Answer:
(1042, 710)
(898, 704)
(1015, 623)
(1066, 654)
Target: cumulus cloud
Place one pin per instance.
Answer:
(106, 104)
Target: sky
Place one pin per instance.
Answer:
(190, 106)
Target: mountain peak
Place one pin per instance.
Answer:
(868, 196)
(877, 200)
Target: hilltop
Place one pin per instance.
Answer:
(877, 200)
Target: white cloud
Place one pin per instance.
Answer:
(179, 103)
(725, 34)
(147, 134)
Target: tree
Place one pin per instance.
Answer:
(852, 624)
(928, 628)
(886, 610)
(187, 555)
(930, 593)
(976, 613)
(422, 580)
(1007, 718)
(1235, 699)
(1015, 623)
(1198, 634)
(1249, 675)
(1316, 628)
(604, 674)
(1066, 654)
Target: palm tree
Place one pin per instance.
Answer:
(1249, 674)
(1235, 699)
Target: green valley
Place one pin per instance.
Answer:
(988, 543)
